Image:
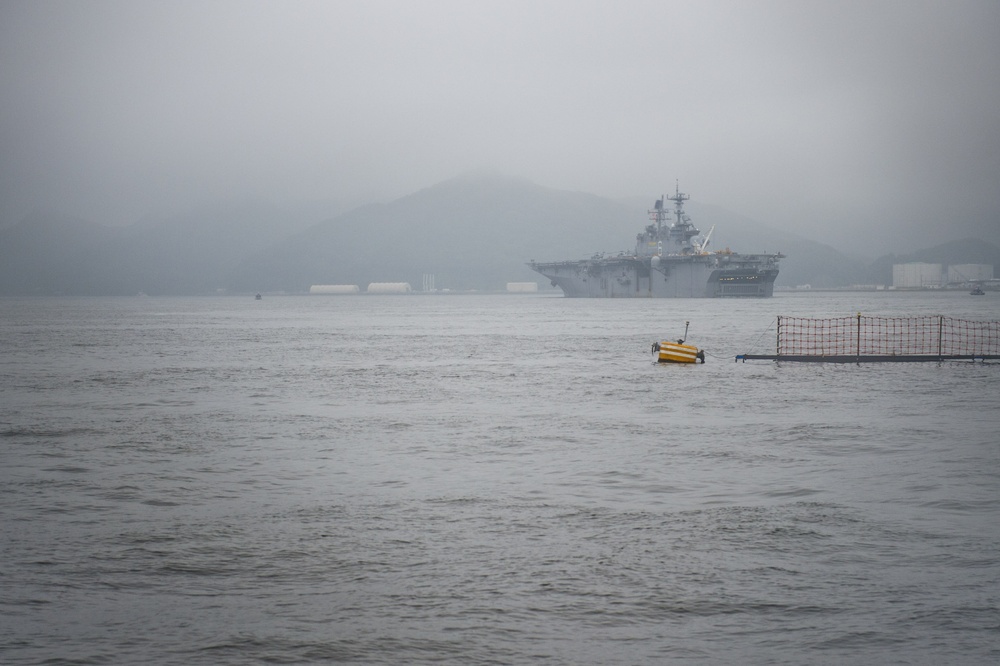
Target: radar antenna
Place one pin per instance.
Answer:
(679, 198)
(659, 214)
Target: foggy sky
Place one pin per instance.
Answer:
(871, 125)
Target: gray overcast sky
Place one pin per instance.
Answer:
(837, 120)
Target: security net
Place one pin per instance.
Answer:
(887, 336)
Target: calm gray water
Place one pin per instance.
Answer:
(487, 480)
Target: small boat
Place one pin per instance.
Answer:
(668, 351)
(257, 297)
(978, 291)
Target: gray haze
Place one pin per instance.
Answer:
(872, 126)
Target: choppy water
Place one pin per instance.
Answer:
(487, 480)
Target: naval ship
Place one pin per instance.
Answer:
(671, 260)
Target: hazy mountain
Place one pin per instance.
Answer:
(50, 253)
(472, 232)
(184, 254)
(197, 251)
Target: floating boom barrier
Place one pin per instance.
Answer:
(865, 339)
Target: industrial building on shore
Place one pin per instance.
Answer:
(918, 275)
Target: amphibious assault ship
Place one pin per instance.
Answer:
(671, 260)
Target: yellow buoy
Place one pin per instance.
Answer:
(675, 352)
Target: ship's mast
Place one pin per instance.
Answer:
(679, 198)
(658, 214)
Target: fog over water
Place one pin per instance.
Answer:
(868, 125)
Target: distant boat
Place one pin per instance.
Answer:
(257, 297)
(978, 291)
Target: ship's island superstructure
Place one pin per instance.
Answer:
(671, 260)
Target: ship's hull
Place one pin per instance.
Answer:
(695, 276)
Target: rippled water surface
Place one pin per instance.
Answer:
(488, 480)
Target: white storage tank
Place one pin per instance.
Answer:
(389, 288)
(334, 289)
(915, 275)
